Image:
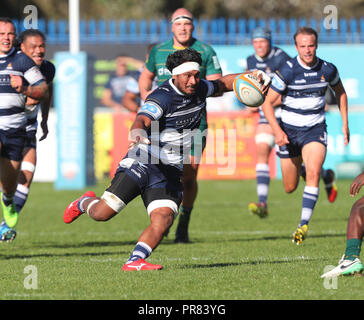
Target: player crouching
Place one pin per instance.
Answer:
(153, 166)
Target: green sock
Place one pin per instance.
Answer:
(184, 218)
(353, 247)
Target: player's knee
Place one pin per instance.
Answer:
(290, 187)
(162, 216)
(357, 210)
(265, 138)
(162, 212)
(27, 166)
(313, 175)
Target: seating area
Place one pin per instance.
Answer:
(215, 31)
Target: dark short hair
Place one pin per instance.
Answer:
(31, 33)
(180, 56)
(307, 31)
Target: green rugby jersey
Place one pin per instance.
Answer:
(156, 61)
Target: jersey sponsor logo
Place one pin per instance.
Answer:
(4, 80)
(150, 108)
(163, 72)
(300, 81)
(261, 65)
(216, 62)
(310, 74)
(277, 83)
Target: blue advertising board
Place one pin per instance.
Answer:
(74, 121)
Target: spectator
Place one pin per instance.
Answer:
(116, 86)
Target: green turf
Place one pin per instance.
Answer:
(232, 256)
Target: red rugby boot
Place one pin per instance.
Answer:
(72, 211)
(139, 265)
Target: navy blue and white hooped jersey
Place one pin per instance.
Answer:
(48, 70)
(272, 62)
(175, 120)
(303, 91)
(12, 103)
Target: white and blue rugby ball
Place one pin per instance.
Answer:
(248, 90)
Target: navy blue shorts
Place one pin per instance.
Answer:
(298, 138)
(12, 143)
(156, 183)
(31, 139)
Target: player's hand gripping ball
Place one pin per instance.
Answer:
(250, 88)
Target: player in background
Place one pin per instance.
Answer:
(33, 44)
(153, 169)
(350, 262)
(301, 134)
(182, 28)
(20, 78)
(268, 59)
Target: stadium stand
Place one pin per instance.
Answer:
(214, 31)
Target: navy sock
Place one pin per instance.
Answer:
(20, 197)
(263, 180)
(8, 200)
(141, 251)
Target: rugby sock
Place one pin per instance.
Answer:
(353, 248)
(20, 197)
(327, 177)
(184, 219)
(141, 251)
(310, 196)
(8, 200)
(303, 172)
(79, 204)
(263, 179)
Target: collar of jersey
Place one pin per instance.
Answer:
(175, 88)
(8, 54)
(179, 48)
(306, 67)
(269, 55)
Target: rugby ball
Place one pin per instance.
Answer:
(248, 90)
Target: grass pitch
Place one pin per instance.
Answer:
(233, 256)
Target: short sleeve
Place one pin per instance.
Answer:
(150, 62)
(213, 64)
(151, 109)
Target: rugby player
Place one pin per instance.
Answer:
(155, 66)
(33, 44)
(20, 78)
(267, 58)
(160, 142)
(301, 134)
(350, 263)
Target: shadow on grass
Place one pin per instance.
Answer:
(252, 263)
(91, 244)
(166, 241)
(60, 255)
